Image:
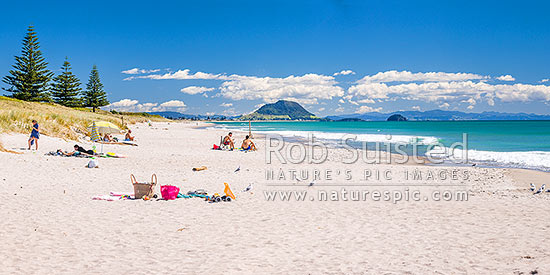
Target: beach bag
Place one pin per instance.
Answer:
(143, 189)
(169, 192)
(93, 163)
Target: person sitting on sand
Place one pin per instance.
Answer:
(107, 138)
(78, 150)
(35, 135)
(248, 144)
(228, 141)
(128, 137)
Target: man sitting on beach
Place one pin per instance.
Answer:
(129, 137)
(248, 144)
(107, 138)
(228, 141)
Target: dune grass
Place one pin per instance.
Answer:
(59, 121)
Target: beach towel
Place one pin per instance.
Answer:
(111, 198)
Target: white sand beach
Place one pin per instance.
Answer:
(50, 224)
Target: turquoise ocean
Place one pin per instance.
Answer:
(520, 144)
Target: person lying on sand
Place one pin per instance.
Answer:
(248, 144)
(35, 135)
(78, 150)
(129, 137)
(228, 141)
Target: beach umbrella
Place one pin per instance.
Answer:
(94, 134)
(105, 127)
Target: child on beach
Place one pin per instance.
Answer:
(35, 135)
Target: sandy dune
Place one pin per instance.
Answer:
(50, 224)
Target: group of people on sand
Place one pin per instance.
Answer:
(246, 145)
(127, 137)
(35, 136)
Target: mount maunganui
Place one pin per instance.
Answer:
(280, 110)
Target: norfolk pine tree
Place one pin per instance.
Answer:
(66, 87)
(95, 96)
(30, 76)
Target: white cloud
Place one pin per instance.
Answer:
(367, 109)
(229, 112)
(471, 101)
(415, 108)
(406, 76)
(340, 109)
(451, 92)
(545, 80)
(506, 78)
(303, 101)
(130, 105)
(124, 103)
(344, 72)
(312, 89)
(470, 107)
(445, 105)
(308, 87)
(321, 109)
(180, 74)
(140, 71)
(173, 103)
(366, 101)
(226, 104)
(193, 90)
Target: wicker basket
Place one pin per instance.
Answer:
(143, 189)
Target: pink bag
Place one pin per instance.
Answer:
(169, 192)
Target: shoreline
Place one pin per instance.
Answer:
(445, 163)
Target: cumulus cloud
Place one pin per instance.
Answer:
(445, 105)
(226, 104)
(366, 101)
(452, 91)
(545, 80)
(140, 71)
(340, 109)
(506, 78)
(132, 105)
(173, 103)
(344, 72)
(406, 76)
(415, 108)
(309, 87)
(125, 103)
(193, 90)
(367, 109)
(180, 74)
(229, 112)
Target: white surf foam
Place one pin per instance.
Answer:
(525, 159)
(396, 139)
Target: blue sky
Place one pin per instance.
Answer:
(399, 55)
